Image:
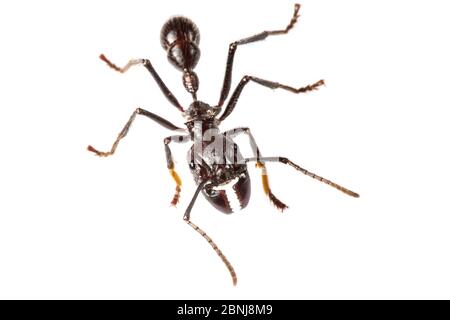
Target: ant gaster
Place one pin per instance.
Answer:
(212, 168)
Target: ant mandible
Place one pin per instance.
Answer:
(214, 159)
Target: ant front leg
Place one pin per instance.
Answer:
(305, 172)
(171, 165)
(187, 218)
(257, 37)
(161, 121)
(146, 63)
(259, 164)
(266, 83)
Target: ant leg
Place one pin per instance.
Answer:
(187, 218)
(163, 122)
(306, 172)
(257, 37)
(259, 164)
(171, 166)
(169, 95)
(266, 83)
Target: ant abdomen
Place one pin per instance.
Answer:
(180, 38)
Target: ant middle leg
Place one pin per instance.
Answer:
(146, 63)
(257, 37)
(171, 165)
(266, 83)
(161, 121)
(187, 219)
(259, 164)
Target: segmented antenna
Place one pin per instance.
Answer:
(302, 170)
(216, 249)
(321, 179)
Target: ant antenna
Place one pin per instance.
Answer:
(216, 249)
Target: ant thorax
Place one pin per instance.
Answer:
(205, 130)
(200, 111)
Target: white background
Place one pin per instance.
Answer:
(76, 226)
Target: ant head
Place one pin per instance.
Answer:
(180, 38)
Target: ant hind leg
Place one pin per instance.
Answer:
(257, 37)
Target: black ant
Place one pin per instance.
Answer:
(214, 159)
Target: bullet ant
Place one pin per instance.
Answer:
(223, 164)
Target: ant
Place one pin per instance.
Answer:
(214, 159)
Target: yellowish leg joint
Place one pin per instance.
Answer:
(264, 176)
(175, 177)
